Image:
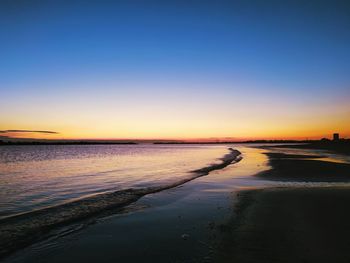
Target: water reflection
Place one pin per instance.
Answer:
(33, 177)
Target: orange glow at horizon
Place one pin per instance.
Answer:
(189, 135)
(178, 115)
(200, 71)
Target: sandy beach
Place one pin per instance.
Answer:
(290, 225)
(305, 168)
(227, 216)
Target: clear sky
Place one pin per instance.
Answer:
(175, 69)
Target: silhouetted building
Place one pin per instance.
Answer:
(335, 136)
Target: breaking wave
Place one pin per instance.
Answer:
(20, 230)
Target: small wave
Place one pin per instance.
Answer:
(20, 230)
(234, 155)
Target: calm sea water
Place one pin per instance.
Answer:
(40, 176)
(34, 177)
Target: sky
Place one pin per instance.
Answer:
(174, 69)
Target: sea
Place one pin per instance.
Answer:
(33, 177)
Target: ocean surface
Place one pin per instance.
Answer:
(41, 176)
(51, 186)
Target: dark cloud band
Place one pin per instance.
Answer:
(27, 131)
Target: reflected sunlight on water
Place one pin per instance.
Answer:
(33, 177)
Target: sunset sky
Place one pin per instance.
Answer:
(174, 69)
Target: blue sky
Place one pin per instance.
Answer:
(229, 52)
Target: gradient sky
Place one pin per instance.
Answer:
(175, 69)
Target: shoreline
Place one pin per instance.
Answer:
(304, 168)
(22, 230)
(294, 223)
(342, 146)
(214, 219)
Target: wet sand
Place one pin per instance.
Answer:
(290, 225)
(342, 147)
(227, 216)
(305, 168)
